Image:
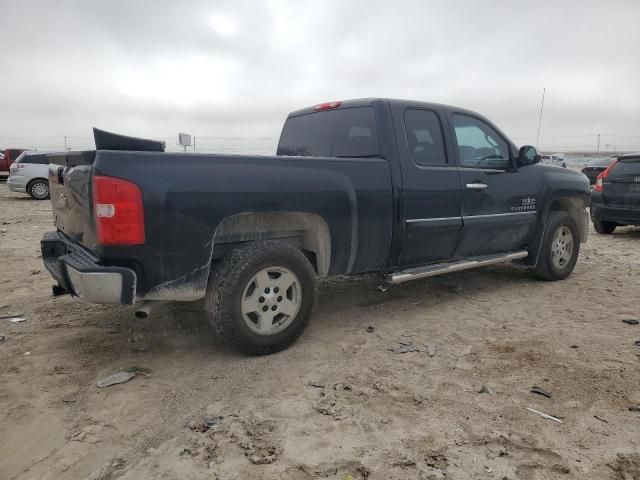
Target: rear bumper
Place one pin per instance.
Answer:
(625, 216)
(79, 273)
(17, 183)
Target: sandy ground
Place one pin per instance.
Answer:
(338, 403)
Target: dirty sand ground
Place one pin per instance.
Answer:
(337, 403)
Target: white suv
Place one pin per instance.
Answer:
(30, 174)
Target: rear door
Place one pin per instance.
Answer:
(430, 187)
(621, 188)
(499, 203)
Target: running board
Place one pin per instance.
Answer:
(442, 268)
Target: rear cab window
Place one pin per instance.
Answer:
(342, 133)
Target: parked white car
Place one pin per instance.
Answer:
(30, 174)
(556, 159)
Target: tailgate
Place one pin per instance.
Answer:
(70, 186)
(621, 188)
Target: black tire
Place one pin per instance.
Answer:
(546, 269)
(227, 285)
(603, 227)
(39, 189)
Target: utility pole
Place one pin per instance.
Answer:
(65, 143)
(540, 118)
(194, 144)
(598, 149)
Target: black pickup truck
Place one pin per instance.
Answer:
(403, 188)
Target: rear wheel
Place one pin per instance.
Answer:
(603, 227)
(261, 296)
(38, 189)
(560, 247)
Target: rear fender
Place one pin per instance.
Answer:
(307, 231)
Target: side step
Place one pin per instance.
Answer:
(448, 267)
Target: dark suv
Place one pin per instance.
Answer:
(596, 167)
(615, 199)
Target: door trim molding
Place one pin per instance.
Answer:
(428, 220)
(533, 212)
(452, 219)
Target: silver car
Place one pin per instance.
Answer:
(30, 174)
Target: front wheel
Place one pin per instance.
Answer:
(560, 247)
(603, 227)
(39, 189)
(261, 296)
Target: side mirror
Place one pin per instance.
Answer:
(528, 155)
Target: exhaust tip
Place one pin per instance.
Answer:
(141, 314)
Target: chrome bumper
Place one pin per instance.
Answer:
(78, 272)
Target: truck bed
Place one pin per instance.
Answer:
(187, 197)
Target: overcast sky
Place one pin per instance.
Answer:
(236, 68)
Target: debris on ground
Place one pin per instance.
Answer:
(436, 460)
(574, 346)
(637, 343)
(484, 389)
(382, 288)
(404, 348)
(540, 391)
(631, 321)
(2, 338)
(459, 290)
(634, 408)
(139, 370)
(370, 329)
(544, 415)
(202, 427)
(13, 317)
(120, 377)
(90, 434)
(601, 419)
(431, 349)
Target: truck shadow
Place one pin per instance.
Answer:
(346, 302)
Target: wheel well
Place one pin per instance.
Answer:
(307, 231)
(575, 207)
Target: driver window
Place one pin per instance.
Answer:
(479, 145)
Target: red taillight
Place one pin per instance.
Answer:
(602, 176)
(117, 206)
(327, 106)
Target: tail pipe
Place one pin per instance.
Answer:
(143, 310)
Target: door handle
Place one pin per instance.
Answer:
(476, 186)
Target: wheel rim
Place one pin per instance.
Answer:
(40, 190)
(271, 300)
(562, 247)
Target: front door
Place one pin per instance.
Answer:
(499, 205)
(431, 188)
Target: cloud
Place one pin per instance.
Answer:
(235, 68)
